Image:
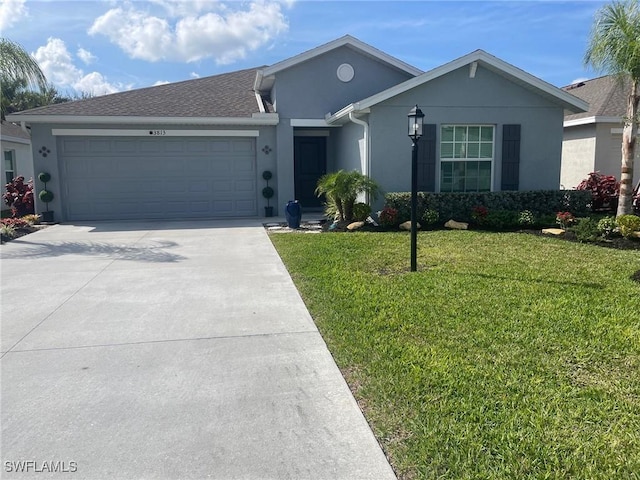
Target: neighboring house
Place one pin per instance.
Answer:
(198, 148)
(593, 139)
(17, 158)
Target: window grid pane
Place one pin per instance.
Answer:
(466, 153)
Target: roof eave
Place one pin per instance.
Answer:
(568, 101)
(12, 139)
(255, 119)
(589, 120)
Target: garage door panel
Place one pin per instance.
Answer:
(244, 146)
(137, 178)
(242, 166)
(244, 186)
(72, 146)
(99, 146)
(221, 146)
(196, 146)
(199, 166)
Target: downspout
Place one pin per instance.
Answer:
(366, 170)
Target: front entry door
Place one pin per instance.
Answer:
(309, 164)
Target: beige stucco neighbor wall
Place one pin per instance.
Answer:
(590, 148)
(578, 155)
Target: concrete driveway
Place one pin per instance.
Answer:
(168, 350)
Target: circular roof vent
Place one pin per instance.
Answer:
(345, 72)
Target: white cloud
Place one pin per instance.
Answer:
(58, 65)
(205, 30)
(86, 56)
(194, 75)
(11, 12)
(161, 82)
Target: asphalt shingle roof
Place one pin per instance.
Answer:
(8, 129)
(225, 95)
(607, 97)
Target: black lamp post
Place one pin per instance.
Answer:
(416, 119)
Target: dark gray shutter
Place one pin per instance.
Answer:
(427, 159)
(510, 157)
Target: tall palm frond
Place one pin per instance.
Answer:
(614, 48)
(16, 65)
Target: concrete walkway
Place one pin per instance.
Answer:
(168, 350)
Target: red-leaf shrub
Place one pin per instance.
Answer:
(604, 190)
(388, 217)
(19, 196)
(16, 223)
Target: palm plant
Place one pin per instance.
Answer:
(17, 67)
(342, 189)
(614, 48)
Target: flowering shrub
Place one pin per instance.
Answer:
(604, 190)
(429, 217)
(564, 219)
(388, 217)
(526, 217)
(479, 214)
(607, 226)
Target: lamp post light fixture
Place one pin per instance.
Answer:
(416, 120)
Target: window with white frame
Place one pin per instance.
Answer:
(9, 165)
(466, 158)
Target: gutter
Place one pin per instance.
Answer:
(367, 158)
(255, 119)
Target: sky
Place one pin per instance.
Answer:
(106, 46)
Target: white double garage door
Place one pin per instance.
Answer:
(106, 178)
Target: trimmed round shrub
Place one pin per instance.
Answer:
(44, 177)
(45, 196)
(268, 192)
(267, 175)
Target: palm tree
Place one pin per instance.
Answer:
(342, 189)
(614, 48)
(17, 67)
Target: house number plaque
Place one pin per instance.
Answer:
(157, 133)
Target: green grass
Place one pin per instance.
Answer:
(505, 356)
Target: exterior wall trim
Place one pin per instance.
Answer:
(117, 132)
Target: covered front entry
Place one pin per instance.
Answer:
(109, 178)
(310, 163)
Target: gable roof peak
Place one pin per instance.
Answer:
(345, 40)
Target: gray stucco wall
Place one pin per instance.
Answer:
(487, 99)
(312, 89)
(350, 148)
(41, 136)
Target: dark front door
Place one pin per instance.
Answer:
(309, 164)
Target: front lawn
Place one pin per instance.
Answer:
(505, 356)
